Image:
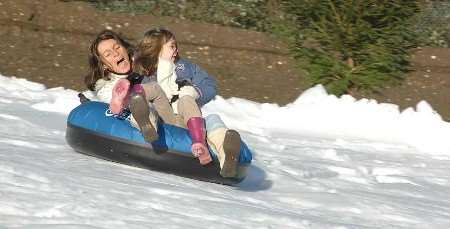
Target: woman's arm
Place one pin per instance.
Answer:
(103, 90)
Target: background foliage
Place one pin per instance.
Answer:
(353, 45)
(345, 45)
(248, 14)
(432, 24)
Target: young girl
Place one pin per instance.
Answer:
(188, 87)
(185, 84)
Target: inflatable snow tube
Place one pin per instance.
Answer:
(93, 130)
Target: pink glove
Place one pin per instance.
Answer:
(119, 97)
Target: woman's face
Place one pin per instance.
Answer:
(114, 56)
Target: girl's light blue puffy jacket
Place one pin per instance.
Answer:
(205, 84)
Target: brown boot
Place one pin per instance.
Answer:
(231, 148)
(227, 144)
(141, 112)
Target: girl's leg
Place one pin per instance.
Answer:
(145, 97)
(152, 92)
(145, 117)
(225, 143)
(189, 110)
(155, 94)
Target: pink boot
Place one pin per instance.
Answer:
(119, 96)
(196, 127)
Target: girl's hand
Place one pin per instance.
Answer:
(169, 51)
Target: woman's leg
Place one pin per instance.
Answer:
(192, 116)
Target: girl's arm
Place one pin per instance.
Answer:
(166, 77)
(200, 80)
(205, 85)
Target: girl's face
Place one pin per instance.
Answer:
(169, 50)
(114, 56)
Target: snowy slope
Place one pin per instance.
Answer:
(320, 162)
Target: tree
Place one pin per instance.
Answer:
(352, 44)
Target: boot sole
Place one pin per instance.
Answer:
(231, 147)
(140, 110)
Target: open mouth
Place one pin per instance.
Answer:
(120, 61)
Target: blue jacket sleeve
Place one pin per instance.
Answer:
(201, 81)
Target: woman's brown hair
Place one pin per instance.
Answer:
(147, 51)
(96, 67)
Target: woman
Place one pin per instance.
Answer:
(109, 70)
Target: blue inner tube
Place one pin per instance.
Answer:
(93, 130)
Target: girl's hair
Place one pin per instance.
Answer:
(147, 51)
(97, 68)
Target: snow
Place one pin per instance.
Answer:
(319, 162)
